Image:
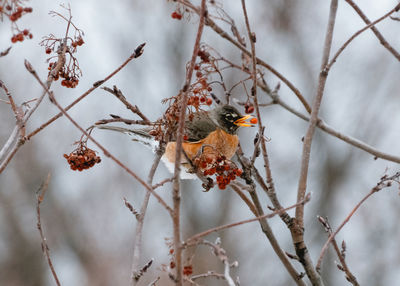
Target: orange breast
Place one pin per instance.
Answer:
(217, 142)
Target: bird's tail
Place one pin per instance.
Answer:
(138, 135)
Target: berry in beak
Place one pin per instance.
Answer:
(242, 121)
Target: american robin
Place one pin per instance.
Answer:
(212, 132)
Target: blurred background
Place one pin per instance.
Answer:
(89, 230)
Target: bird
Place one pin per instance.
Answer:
(212, 132)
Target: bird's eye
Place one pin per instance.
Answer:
(229, 117)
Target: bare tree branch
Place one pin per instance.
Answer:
(343, 265)
(45, 248)
(385, 182)
(176, 196)
(192, 240)
(370, 25)
(381, 39)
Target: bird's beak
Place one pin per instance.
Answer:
(242, 121)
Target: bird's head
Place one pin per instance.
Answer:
(229, 118)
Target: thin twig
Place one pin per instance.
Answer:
(131, 208)
(343, 265)
(208, 274)
(137, 248)
(162, 183)
(45, 248)
(192, 240)
(385, 182)
(153, 283)
(123, 120)
(118, 94)
(381, 39)
(341, 49)
(221, 254)
(139, 273)
(5, 52)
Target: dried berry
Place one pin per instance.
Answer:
(187, 270)
(82, 158)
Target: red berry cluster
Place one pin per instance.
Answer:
(14, 12)
(21, 36)
(78, 42)
(187, 270)
(176, 15)
(82, 158)
(70, 71)
(70, 80)
(200, 90)
(230, 175)
(204, 55)
(18, 12)
(224, 169)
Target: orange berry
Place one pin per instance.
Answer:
(199, 74)
(209, 101)
(238, 172)
(20, 37)
(253, 121)
(176, 15)
(203, 82)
